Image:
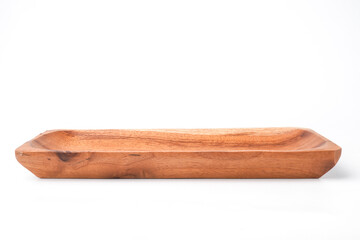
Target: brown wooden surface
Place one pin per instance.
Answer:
(179, 153)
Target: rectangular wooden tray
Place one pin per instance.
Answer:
(179, 153)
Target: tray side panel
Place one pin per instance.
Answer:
(252, 164)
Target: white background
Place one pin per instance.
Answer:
(179, 64)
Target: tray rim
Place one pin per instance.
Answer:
(28, 148)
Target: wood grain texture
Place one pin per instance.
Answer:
(179, 153)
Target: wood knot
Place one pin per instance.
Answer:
(66, 155)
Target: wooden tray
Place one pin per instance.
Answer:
(179, 153)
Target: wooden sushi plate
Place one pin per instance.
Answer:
(179, 153)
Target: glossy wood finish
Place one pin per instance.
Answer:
(179, 153)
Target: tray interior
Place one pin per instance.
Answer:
(266, 139)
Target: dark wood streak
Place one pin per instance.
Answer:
(320, 144)
(38, 143)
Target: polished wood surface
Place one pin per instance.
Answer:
(179, 153)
